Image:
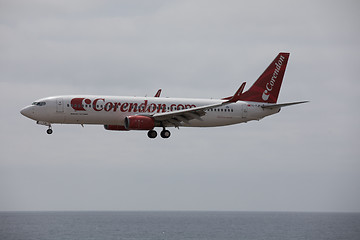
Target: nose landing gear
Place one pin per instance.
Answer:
(49, 131)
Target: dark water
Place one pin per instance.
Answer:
(178, 225)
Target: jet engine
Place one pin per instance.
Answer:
(139, 123)
(115, 128)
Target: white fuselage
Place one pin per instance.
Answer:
(112, 110)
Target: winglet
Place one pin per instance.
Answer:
(238, 93)
(158, 93)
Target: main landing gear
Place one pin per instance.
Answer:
(152, 134)
(164, 133)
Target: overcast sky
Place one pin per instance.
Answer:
(306, 158)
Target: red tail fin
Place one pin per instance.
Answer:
(267, 87)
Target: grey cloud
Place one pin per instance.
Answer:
(303, 159)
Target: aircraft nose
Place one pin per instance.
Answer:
(27, 112)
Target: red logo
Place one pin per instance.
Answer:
(77, 103)
(269, 85)
(99, 104)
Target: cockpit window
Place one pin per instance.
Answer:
(39, 103)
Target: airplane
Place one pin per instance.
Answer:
(119, 113)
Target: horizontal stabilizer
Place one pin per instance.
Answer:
(282, 104)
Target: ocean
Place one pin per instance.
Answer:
(178, 225)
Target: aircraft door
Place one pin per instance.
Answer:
(244, 111)
(59, 105)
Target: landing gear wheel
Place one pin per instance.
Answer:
(165, 133)
(49, 131)
(152, 134)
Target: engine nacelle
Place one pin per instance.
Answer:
(139, 123)
(115, 128)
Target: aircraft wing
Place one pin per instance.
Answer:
(175, 118)
(185, 115)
